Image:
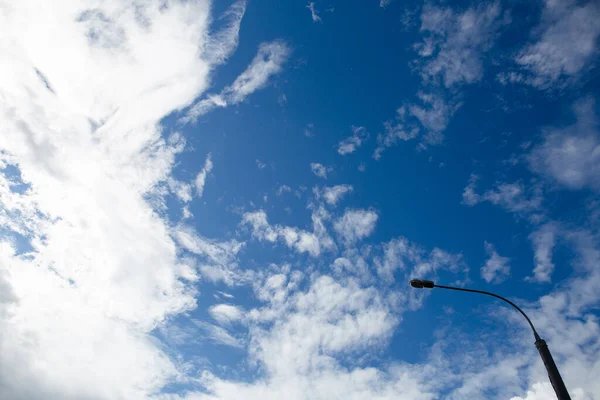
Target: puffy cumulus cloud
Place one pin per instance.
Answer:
(301, 337)
(450, 54)
(566, 44)
(333, 194)
(543, 241)
(300, 240)
(352, 143)
(226, 313)
(434, 114)
(395, 130)
(497, 268)
(333, 318)
(402, 255)
(454, 42)
(83, 86)
(355, 225)
(182, 190)
(470, 196)
(201, 177)
(542, 391)
(570, 156)
(515, 197)
(304, 335)
(268, 62)
(283, 189)
(320, 170)
(565, 319)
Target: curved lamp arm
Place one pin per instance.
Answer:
(555, 379)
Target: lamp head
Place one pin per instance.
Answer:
(420, 284)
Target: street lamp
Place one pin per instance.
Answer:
(557, 383)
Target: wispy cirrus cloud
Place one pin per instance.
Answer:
(313, 12)
(268, 62)
(215, 260)
(201, 177)
(218, 334)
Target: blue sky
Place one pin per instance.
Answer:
(225, 200)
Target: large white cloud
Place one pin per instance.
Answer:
(566, 43)
(570, 155)
(93, 269)
(455, 41)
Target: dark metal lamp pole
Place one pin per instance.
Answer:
(553, 374)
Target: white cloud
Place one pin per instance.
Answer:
(515, 197)
(496, 269)
(320, 170)
(539, 391)
(384, 3)
(451, 54)
(217, 261)
(83, 87)
(225, 294)
(434, 116)
(283, 189)
(309, 130)
(300, 240)
(355, 225)
(470, 196)
(201, 177)
(571, 155)
(222, 43)
(226, 314)
(260, 164)
(352, 143)
(400, 254)
(182, 190)
(313, 12)
(219, 335)
(333, 194)
(395, 131)
(298, 354)
(543, 241)
(455, 42)
(268, 62)
(512, 196)
(566, 46)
